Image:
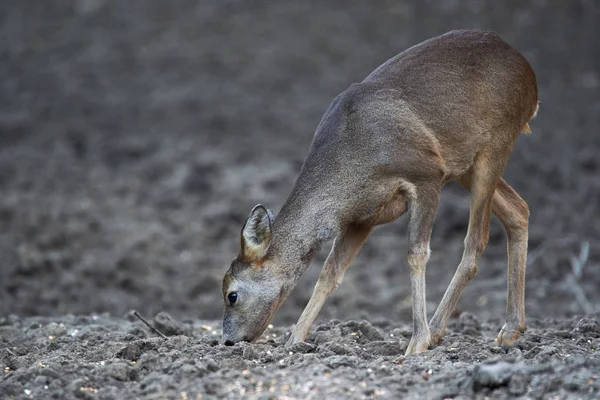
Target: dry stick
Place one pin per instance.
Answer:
(574, 346)
(577, 264)
(153, 329)
(548, 336)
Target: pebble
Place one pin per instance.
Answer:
(121, 371)
(492, 375)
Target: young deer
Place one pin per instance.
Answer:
(448, 109)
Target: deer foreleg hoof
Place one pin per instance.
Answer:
(418, 345)
(508, 336)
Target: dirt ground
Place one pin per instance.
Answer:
(136, 136)
(99, 357)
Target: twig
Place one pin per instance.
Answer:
(564, 343)
(573, 346)
(574, 287)
(153, 329)
(536, 253)
(577, 264)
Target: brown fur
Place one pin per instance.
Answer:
(447, 109)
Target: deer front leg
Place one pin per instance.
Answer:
(345, 248)
(422, 215)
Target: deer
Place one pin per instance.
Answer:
(447, 109)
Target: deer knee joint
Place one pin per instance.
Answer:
(522, 221)
(418, 255)
(329, 279)
(471, 271)
(518, 220)
(468, 269)
(476, 246)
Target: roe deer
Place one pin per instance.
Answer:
(447, 109)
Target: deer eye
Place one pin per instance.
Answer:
(232, 297)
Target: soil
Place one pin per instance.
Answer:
(136, 136)
(99, 357)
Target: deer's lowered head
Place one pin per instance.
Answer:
(272, 258)
(264, 272)
(251, 292)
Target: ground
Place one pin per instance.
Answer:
(102, 357)
(136, 136)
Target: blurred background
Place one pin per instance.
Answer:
(135, 137)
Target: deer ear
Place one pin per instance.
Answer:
(256, 234)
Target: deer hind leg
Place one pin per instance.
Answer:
(345, 248)
(422, 214)
(513, 212)
(481, 180)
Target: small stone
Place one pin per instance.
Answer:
(121, 371)
(302, 347)
(492, 375)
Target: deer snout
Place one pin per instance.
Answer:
(230, 340)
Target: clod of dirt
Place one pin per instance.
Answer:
(588, 325)
(343, 361)
(121, 371)
(518, 383)
(367, 331)
(211, 364)
(9, 360)
(333, 348)
(493, 375)
(167, 325)
(134, 350)
(386, 348)
(56, 330)
(302, 347)
(468, 324)
(250, 353)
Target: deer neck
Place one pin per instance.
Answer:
(299, 232)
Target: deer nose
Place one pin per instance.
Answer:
(228, 342)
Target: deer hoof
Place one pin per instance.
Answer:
(436, 337)
(508, 336)
(292, 340)
(417, 346)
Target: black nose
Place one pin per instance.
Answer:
(228, 343)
